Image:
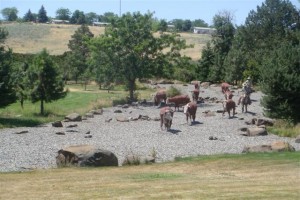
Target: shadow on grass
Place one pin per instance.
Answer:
(18, 122)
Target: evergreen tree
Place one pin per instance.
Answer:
(78, 17)
(280, 81)
(6, 87)
(42, 15)
(204, 64)
(79, 50)
(44, 81)
(29, 17)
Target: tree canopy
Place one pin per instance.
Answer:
(44, 82)
(42, 15)
(10, 14)
(7, 92)
(129, 50)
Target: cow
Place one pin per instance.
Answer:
(224, 87)
(160, 96)
(179, 100)
(229, 105)
(195, 94)
(228, 95)
(245, 101)
(190, 110)
(166, 117)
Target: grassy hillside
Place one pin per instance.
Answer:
(32, 38)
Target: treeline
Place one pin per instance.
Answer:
(79, 17)
(266, 48)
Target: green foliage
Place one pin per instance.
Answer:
(10, 14)
(173, 91)
(280, 81)
(185, 70)
(129, 51)
(44, 82)
(7, 92)
(29, 17)
(79, 52)
(204, 64)
(42, 15)
(284, 128)
(63, 14)
(78, 17)
(199, 23)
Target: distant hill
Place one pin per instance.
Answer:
(32, 38)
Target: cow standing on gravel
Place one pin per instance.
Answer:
(224, 87)
(160, 96)
(166, 117)
(190, 111)
(195, 94)
(229, 105)
(179, 100)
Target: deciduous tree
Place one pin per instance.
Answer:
(129, 50)
(63, 14)
(10, 14)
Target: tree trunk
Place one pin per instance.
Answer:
(131, 90)
(42, 107)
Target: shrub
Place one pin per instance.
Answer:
(173, 91)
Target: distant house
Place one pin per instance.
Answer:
(204, 30)
(100, 23)
(58, 21)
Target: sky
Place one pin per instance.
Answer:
(163, 9)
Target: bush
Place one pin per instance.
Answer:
(173, 91)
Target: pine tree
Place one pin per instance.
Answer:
(42, 15)
(29, 17)
(44, 81)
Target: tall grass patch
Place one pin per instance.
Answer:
(284, 128)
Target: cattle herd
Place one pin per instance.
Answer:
(190, 107)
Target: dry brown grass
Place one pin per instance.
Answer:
(223, 178)
(27, 38)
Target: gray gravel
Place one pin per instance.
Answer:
(38, 148)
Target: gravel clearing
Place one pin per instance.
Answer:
(38, 148)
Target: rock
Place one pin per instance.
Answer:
(297, 140)
(125, 106)
(258, 148)
(144, 117)
(21, 132)
(74, 117)
(88, 136)
(212, 138)
(85, 155)
(97, 112)
(57, 124)
(256, 131)
(108, 120)
(280, 146)
(118, 111)
(266, 122)
(205, 84)
(89, 115)
(72, 125)
(122, 119)
(60, 133)
(244, 129)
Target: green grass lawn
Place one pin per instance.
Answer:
(77, 100)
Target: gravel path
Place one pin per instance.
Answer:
(38, 148)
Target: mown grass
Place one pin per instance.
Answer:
(244, 176)
(77, 100)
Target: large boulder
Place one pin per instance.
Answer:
(278, 146)
(256, 131)
(74, 117)
(85, 155)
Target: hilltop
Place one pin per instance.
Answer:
(32, 38)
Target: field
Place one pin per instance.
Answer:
(32, 38)
(251, 176)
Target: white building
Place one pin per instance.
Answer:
(204, 30)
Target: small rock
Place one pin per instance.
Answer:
(21, 132)
(88, 136)
(60, 133)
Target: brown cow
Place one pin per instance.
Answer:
(166, 116)
(229, 105)
(190, 111)
(195, 94)
(179, 100)
(228, 94)
(160, 96)
(224, 87)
